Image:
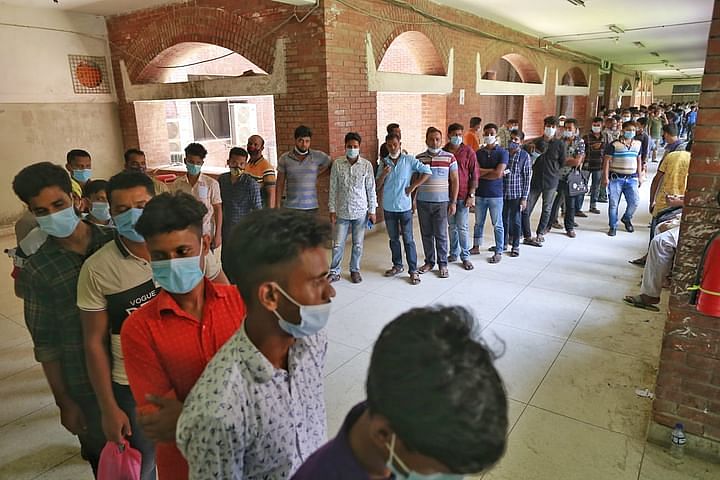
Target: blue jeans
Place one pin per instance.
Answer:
(512, 221)
(595, 186)
(401, 223)
(627, 186)
(495, 205)
(433, 218)
(460, 231)
(342, 228)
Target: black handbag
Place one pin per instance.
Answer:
(577, 183)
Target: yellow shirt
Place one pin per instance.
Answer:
(76, 188)
(674, 181)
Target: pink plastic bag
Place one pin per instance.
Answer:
(119, 462)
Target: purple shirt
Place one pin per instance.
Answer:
(335, 459)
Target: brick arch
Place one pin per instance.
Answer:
(382, 38)
(574, 77)
(412, 52)
(182, 24)
(526, 66)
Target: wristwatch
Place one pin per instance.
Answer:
(471, 195)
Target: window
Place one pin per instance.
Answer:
(211, 120)
(686, 89)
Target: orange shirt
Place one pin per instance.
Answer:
(166, 351)
(472, 141)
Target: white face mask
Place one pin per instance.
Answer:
(489, 139)
(596, 129)
(550, 131)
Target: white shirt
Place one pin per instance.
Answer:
(207, 190)
(352, 189)
(246, 419)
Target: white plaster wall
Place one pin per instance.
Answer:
(41, 118)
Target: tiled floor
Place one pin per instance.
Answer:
(574, 357)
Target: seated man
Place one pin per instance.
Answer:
(167, 343)
(393, 433)
(258, 411)
(657, 267)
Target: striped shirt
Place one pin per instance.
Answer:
(301, 178)
(437, 187)
(263, 173)
(624, 157)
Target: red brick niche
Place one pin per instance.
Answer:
(688, 384)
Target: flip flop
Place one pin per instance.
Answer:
(638, 261)
(444, 272)
(414, 278)
(637, 302)
(467, 265)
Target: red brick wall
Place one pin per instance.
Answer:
(688, 384)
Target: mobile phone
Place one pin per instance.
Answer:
(370, 224)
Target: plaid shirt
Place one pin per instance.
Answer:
(238, 199)
(517, 183)
(49, 281)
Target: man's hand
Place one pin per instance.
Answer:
(333, 217)
(161, 425)
(605, 181)
(386, 170)
(408, 191)
(372, 218)
(523, 204)
(116, 425)
(452, 208)
(72, 417)
(675, 200)
(470, 202)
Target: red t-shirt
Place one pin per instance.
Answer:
(166, 351)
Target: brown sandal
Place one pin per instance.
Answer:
(467, 265)
(425, 268)
(393, 271)
(414, 278)
(444, 272)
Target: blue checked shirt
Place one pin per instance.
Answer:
(516, 183)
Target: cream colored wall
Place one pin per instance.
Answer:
(41, 118)
(663, 91)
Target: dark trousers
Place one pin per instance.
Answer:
(563, 195)
(138, 440)
(595, 187)
(93, 440)
(512, 221)
(397, 224)
(434, 230)
(547, 196)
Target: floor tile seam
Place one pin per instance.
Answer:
(552, 364)
(650, 360)
(5, 425)
(412, 305)
(2, 379)
(590, 424)
(55, 466)
(16, 345)
(19, 324)
(352, 302)
(345, 362)
(525, 406)
(495, 321)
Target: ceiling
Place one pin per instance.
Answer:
(683, 47)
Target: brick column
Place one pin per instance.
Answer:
(688, 385)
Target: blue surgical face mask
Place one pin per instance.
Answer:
(177, 275)
(82, 176)
(193, 169)
(568, 133)
(60, 224)
(456, 140)
(513, 146)
(125, 223)
(352, 152)
(313, 318)
(411, 475)
(100, 210)
(628, 134)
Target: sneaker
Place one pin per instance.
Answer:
(581, 214)
(355, 277)
(612, 232)
(628, 225)
(594, 210)
(333, 277)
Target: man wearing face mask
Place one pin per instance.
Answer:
(391, 435)
(95, 199)
(239, 193)
(298, 170)
(399, 175)
(467, 184)
(257, 411)
(436, 200)
(492, 162)
(79, 164)
(622, 167)
(167, 343)
(594, 146)
(516, 188)
(49, 281)
(503, 134)
(114, 282)
(135, 161)
(574, 156)
(205, 188)
(545, 179)
(261, 170)
(352, 204)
